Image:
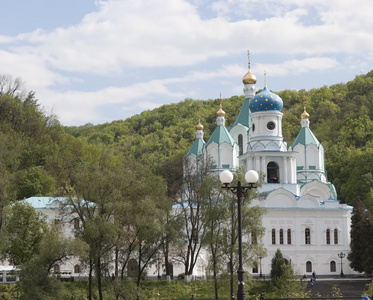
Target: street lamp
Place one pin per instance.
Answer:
(341, 256)
(260, 274)
(226, 177)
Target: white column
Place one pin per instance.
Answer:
(285, 163)
(257, 163)
(263, 167)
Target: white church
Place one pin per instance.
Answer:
(303, 217)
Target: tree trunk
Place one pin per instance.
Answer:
(215, 281)
(90, 279)
(116, 272)
(99, 280)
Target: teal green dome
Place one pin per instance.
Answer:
(265, 101)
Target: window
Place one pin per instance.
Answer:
(336, 236)
(195, 236)
(77, 269)
(255, 268)
(272, 173)
(253, 127)
(308, 266)
(254, 239)
(76, 223)
(333, 266)
(307, 235)
(56, 268)
(273, 236)
(328, 236)
(240, 143)
(132, 268)
(289, 236)
(271, 125)
(281, 236)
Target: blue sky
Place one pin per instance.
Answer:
(98, 61)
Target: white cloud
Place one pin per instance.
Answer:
(182, 44)
(296, 66)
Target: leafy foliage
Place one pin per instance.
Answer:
(361, 255)
(341, 117)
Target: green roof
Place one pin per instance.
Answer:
(243, 116)
(305, 137)
(197, 147)
(220, 136)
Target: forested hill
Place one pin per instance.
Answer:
(341, 117)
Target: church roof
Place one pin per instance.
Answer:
(243, 116)
(197, 147)
(44, 202)
(305, 137)
(220, 136)
(266, 101)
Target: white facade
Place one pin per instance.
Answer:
(303, 217)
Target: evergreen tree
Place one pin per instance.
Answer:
(278, 268)
(361, 255)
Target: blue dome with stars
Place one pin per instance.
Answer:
(265, 100)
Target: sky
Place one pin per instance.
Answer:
(97, 61)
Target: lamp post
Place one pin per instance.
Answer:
(260, 274)
(226, 177)
(341, 256)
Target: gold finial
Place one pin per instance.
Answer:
(220, 112)
(199, 126)
(249, 78)
(265, 79)
(305, 115)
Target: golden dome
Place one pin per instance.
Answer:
(220, 112)
(199, 126)
(249, 78)
(305, 115)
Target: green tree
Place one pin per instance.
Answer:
(36, 281)
(283, 278)
(23, 233)
(89, 179)
(361, 255)
(252, 229)
(215, 206)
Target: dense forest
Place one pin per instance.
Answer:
(341, 118)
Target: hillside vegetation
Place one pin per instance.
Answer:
(341, 118)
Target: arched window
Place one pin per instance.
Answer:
(307, 236)
(328, 236)
(132, 268)
(56, 268)
(308, 266)
(333, 266)
(273, 173)
(289, 236)
(240, 143)
(273, 236)
(77, 269)
(76, 223)
(336, 236)
(281, 236)
(255, 268)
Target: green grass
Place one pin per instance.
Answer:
(151, 290)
